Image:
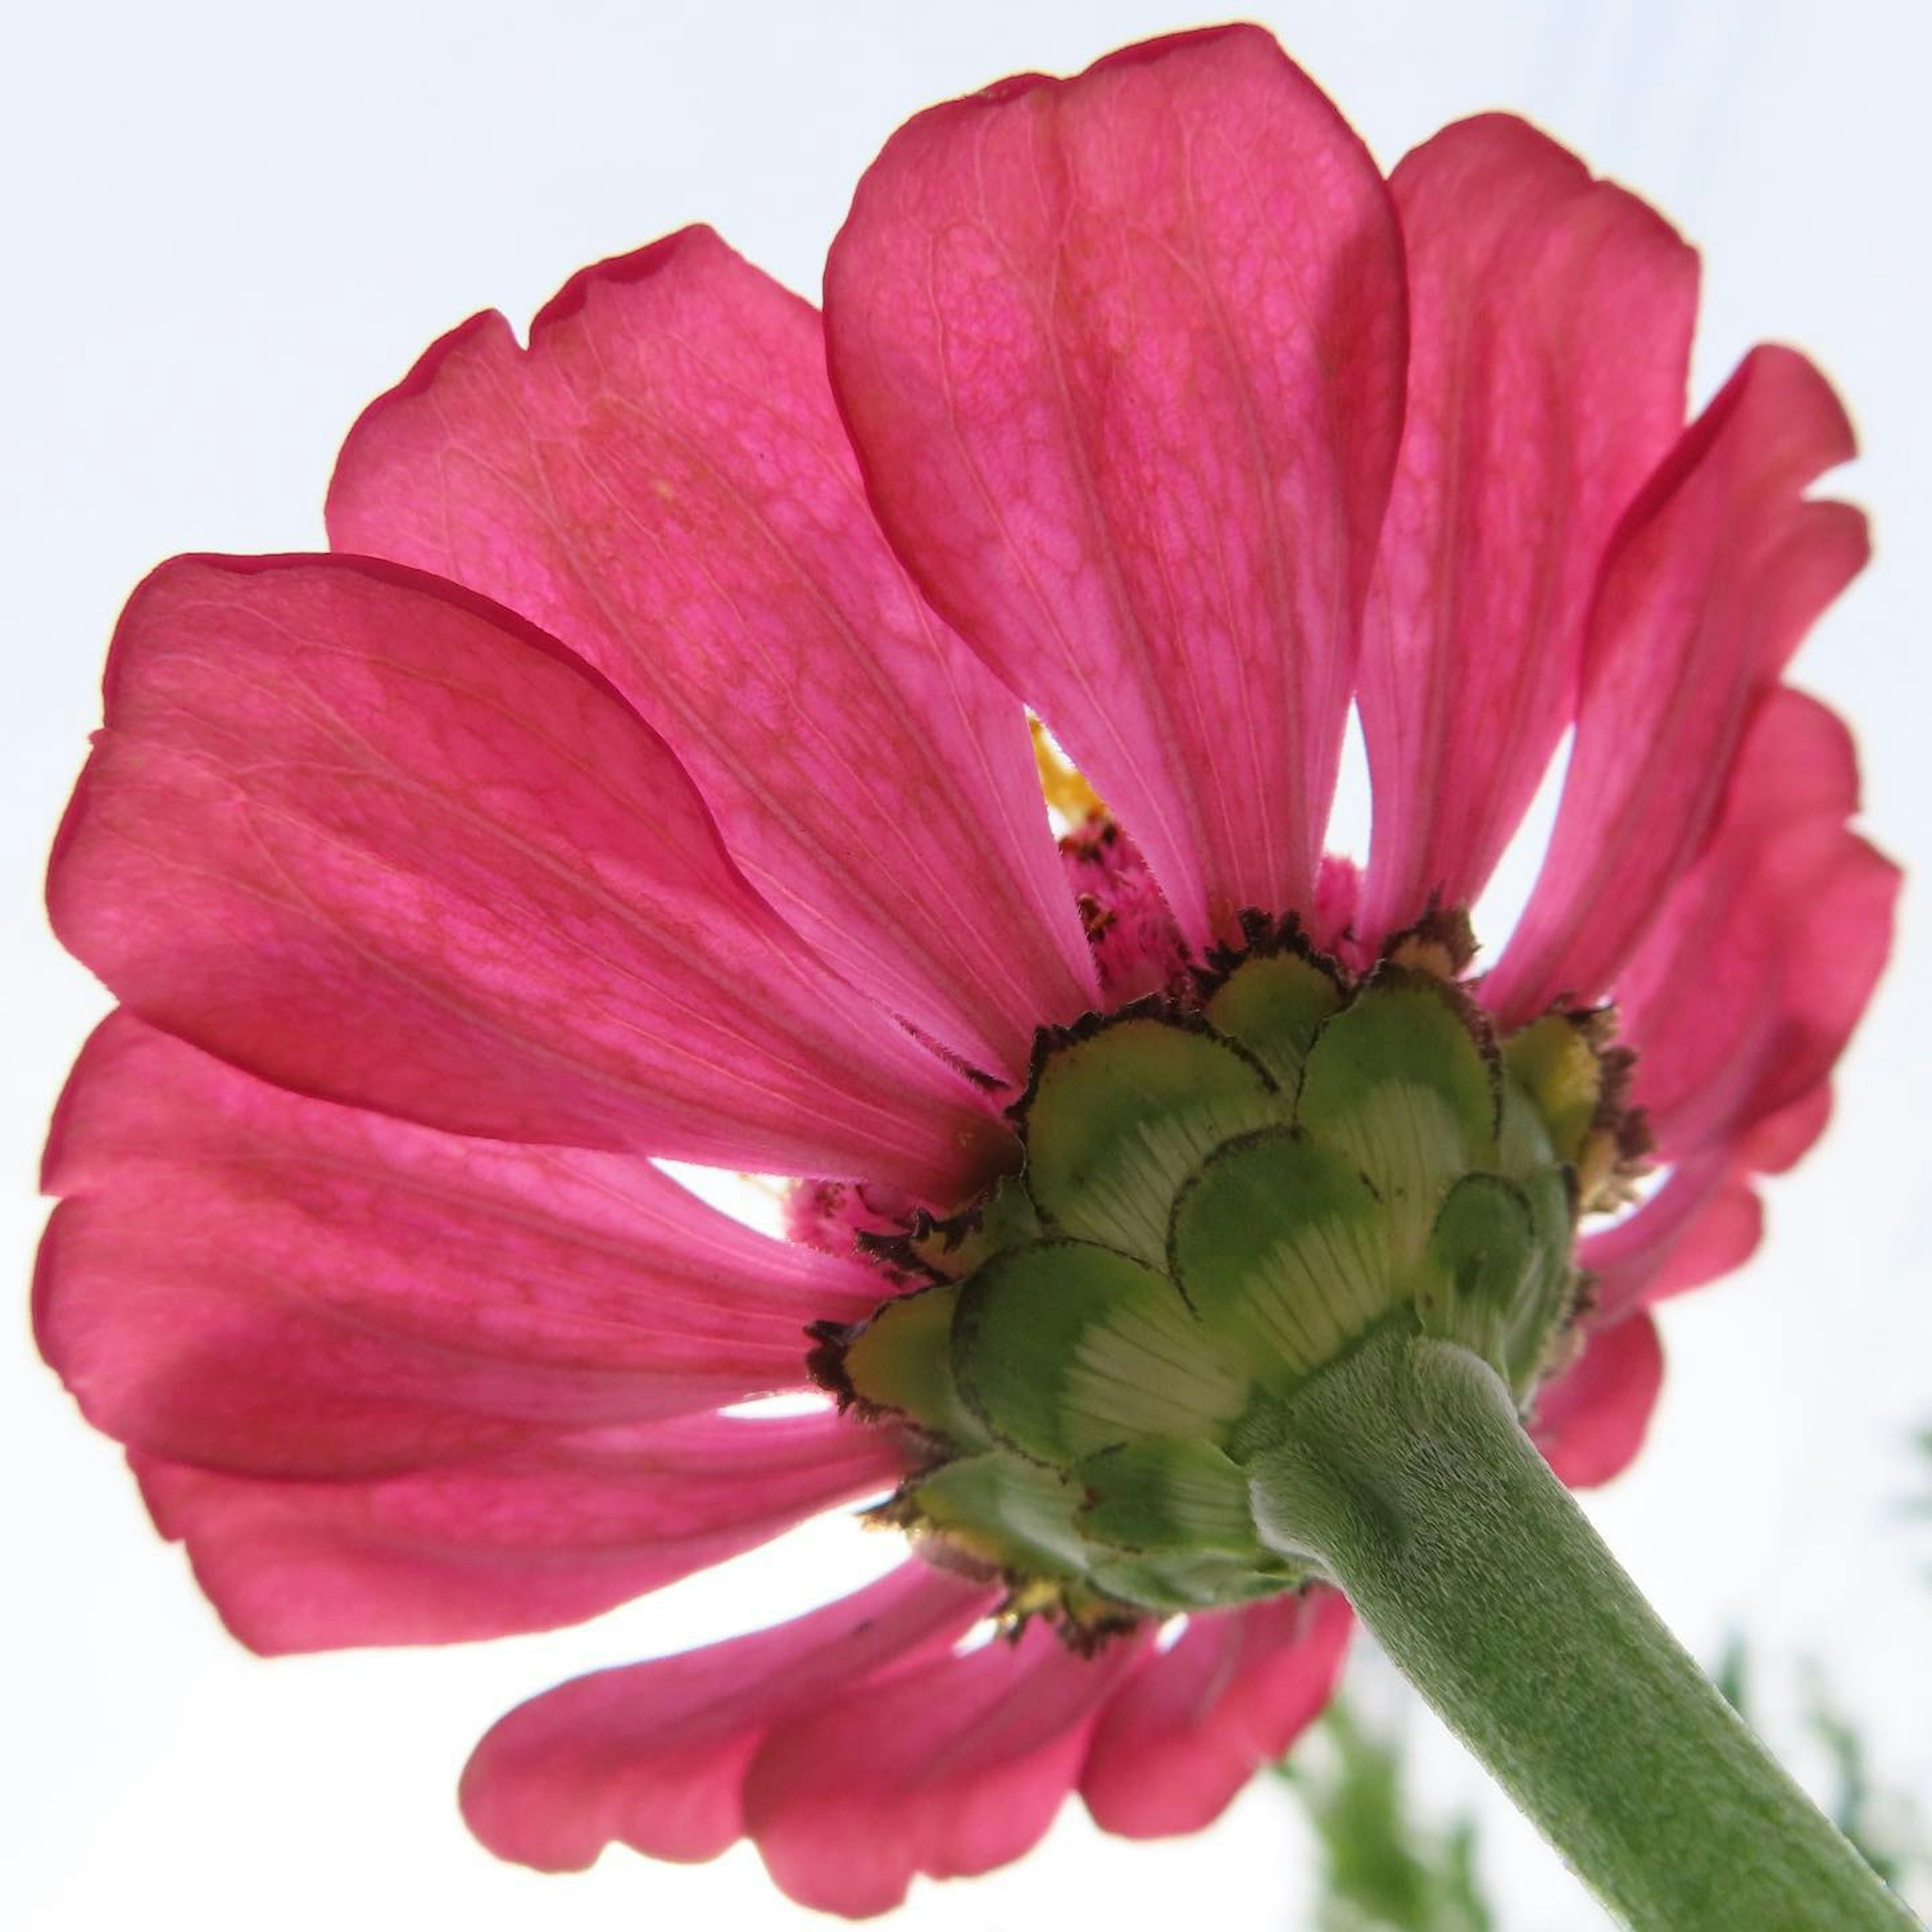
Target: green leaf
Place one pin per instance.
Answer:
(1382, 1870)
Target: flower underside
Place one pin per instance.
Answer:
(1226, 1189)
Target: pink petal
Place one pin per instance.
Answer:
(1705, 1220)
(1122, 357)
(281, 1286)
(1740, 998)
(949, 1766)
(1746, 989)
(654, 1755)
(1590, 1422)
(530, 1538)
(1715, 575)
(1806, 932)
(1332, 920)
(662, 482)
(1195, 1722)
(1550, 321)
(371, 837)
(1781, 1139)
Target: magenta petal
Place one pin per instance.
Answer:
(662, 482)
(370, 836)
(950, 1767)
(1122, 356)
(1195, 1722)
(1747, 989)
(267, 1284)
(1715, 575)
(654, 1755)
(1702, 1222)
(1590, 1421)
(546, 1533)
(1740, 998)
(1550, 320)
(1783, 1139)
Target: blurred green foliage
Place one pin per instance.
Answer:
(1382, 1869)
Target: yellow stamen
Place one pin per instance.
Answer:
(1067, 792)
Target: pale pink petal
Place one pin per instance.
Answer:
(1590, 1421)
(654, 1755)
(1195, 1722)
(1138, 948)
(242, 1277)
(546, 1533)
(1716, 574)
(950, 1767)
(662, 482)
(1122, 356)
(1550, 320)
(1332, 920)
(366, 834)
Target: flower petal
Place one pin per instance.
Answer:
(662, 482)
(246, 1278)
(1550, 321)
(1747, 989)
(1590, 1422)
(1705, 1220)
(1781, 1139)
(1122, 356)
(366, 834)
(1194, 1722)
(654, 1755)
(1715, 574)
(949, 1766)
(543, 1534)
(1741, 997)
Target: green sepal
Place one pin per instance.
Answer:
(996, 1509)
(1274, 1004)
(1482, 1253)
(1555, 1062)
(1205, 1582)
(1282, 1248)
(1524, 1144)
(1173, 1494)
(1118, 1115)
(1404, 1081)
(901, 1360)
(1062, 1348)
(951, 1250)
(1548, 1305)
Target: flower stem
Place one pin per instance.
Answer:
(1409, 1477)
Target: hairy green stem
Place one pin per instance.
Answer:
(1408, 1475)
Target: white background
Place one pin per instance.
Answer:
(227, 226)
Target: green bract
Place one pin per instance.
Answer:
(1220, 1200)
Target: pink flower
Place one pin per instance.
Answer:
(646, 773)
